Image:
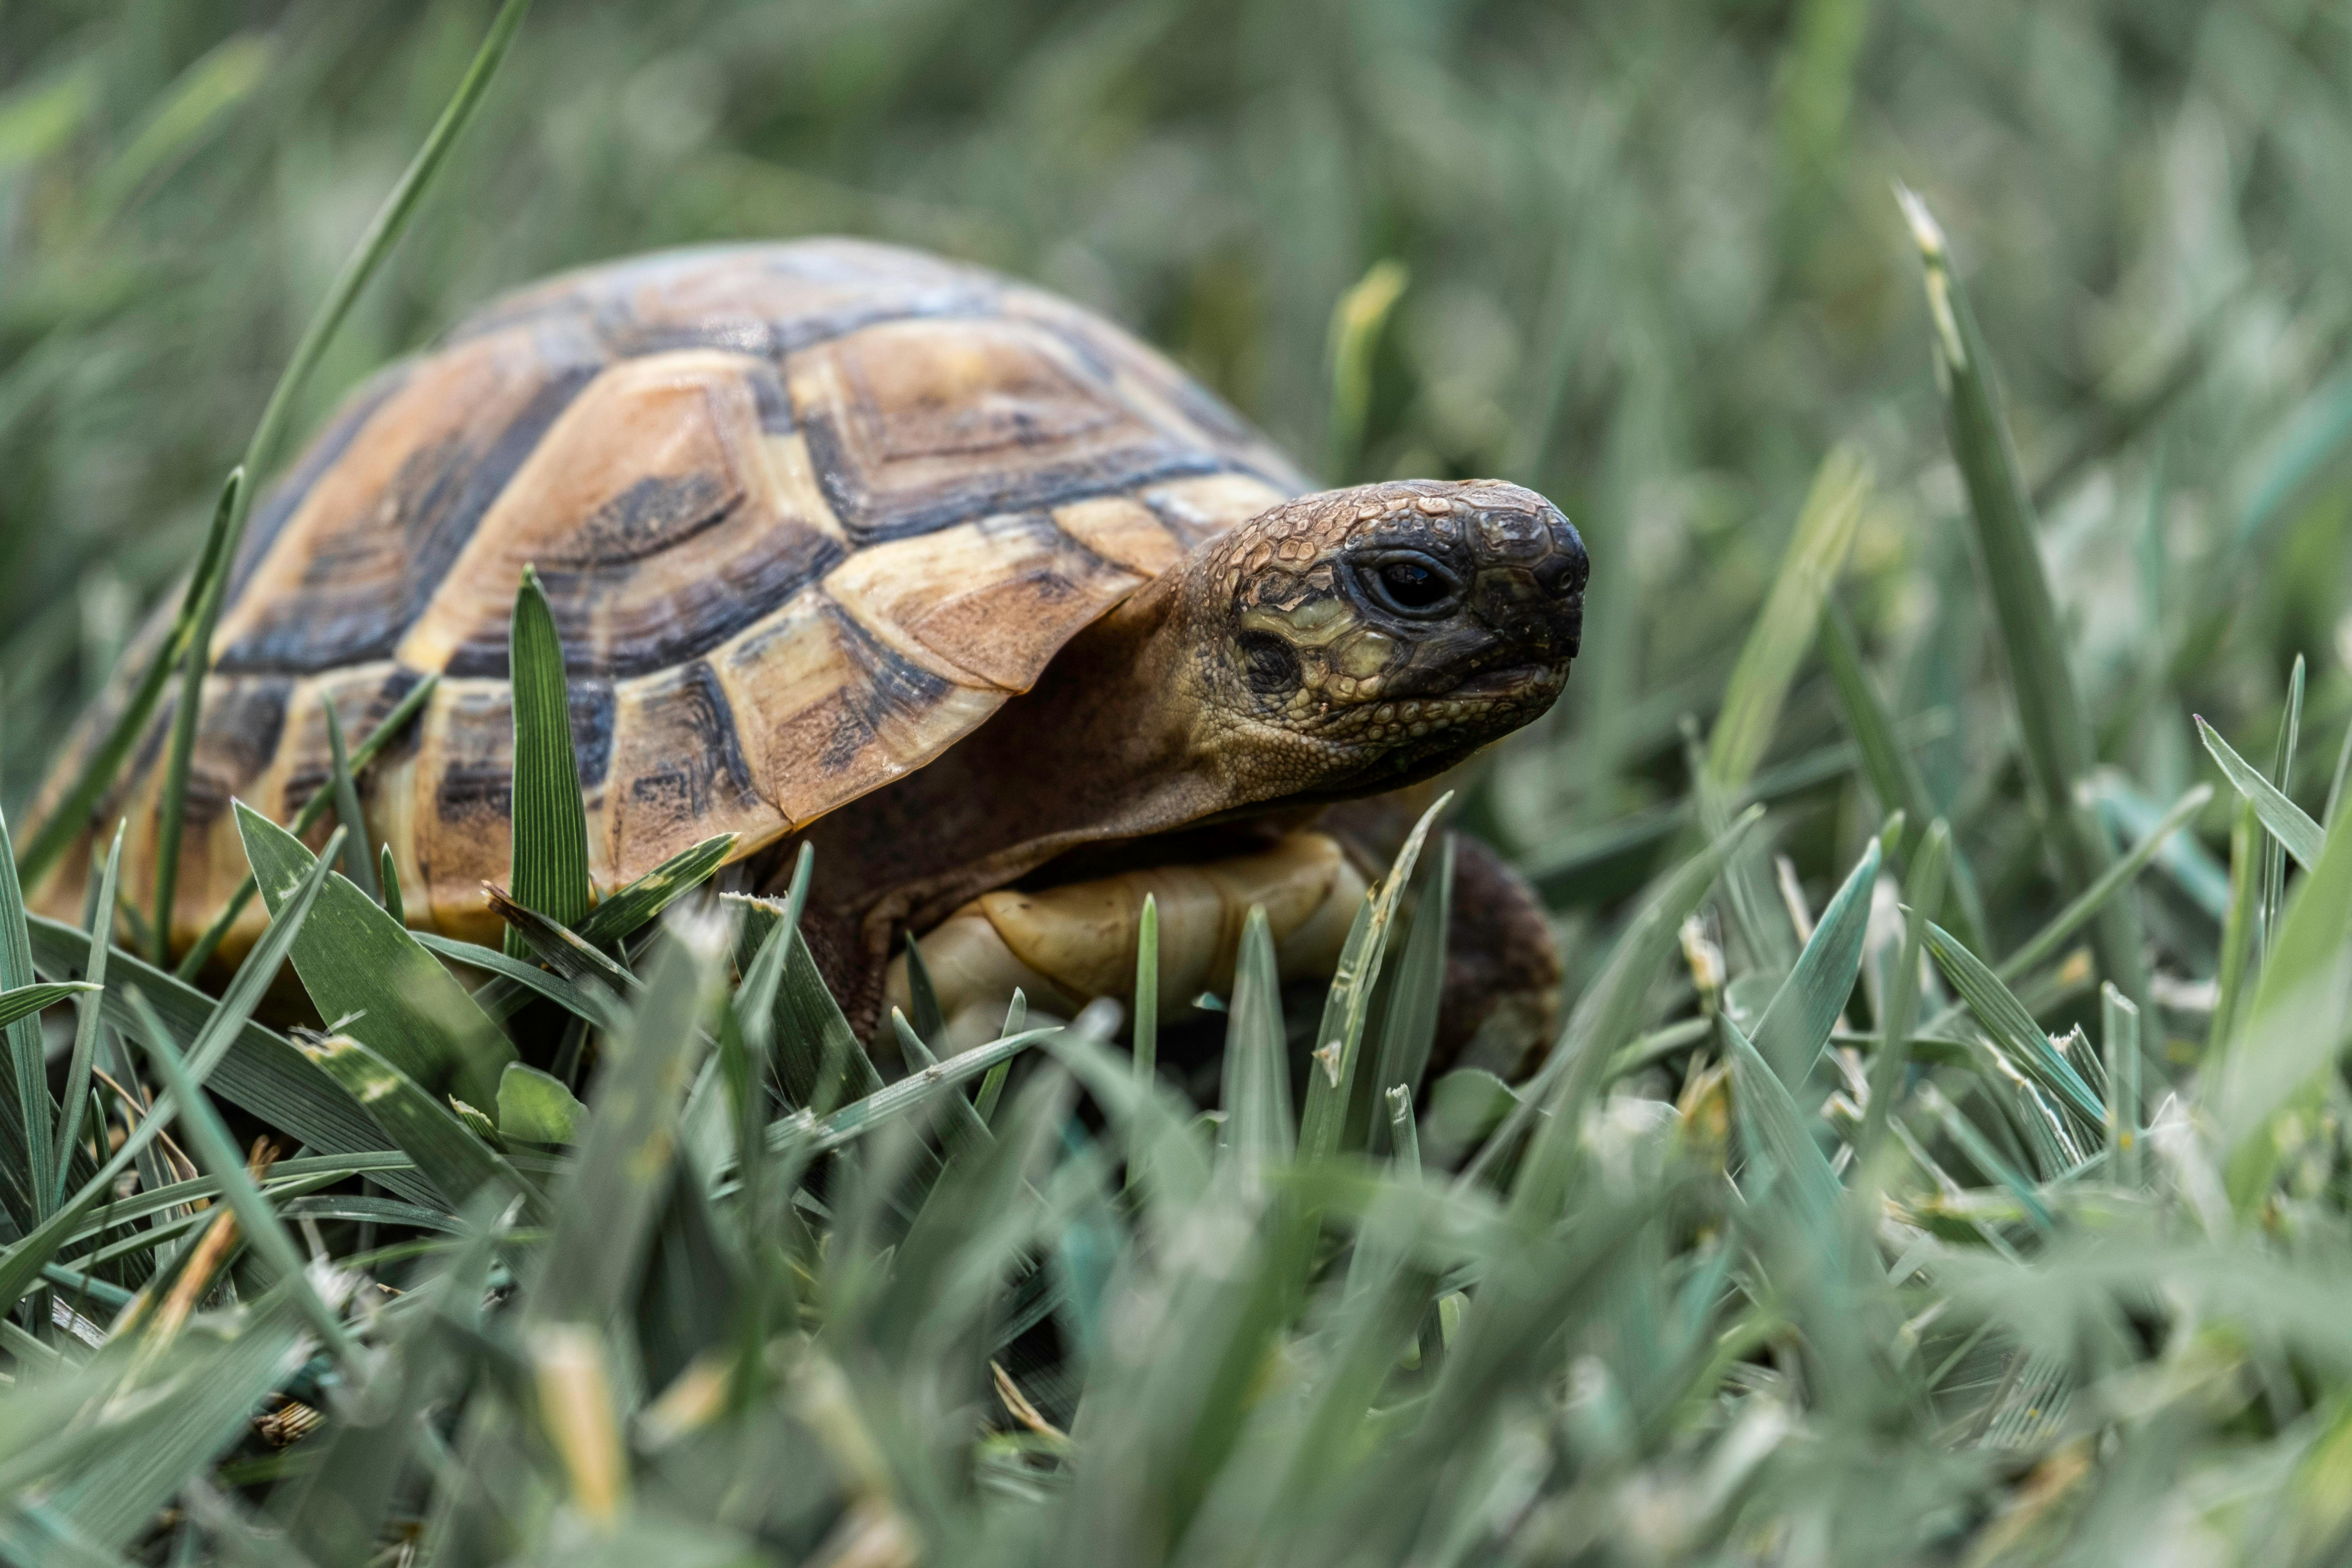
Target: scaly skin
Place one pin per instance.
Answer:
(1337, 645)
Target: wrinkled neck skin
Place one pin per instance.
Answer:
(1109, 744)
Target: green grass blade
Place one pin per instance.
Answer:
(588, 1000)
(369, 978)
(384, 734)
(991, 1088)
(447, 1153)
(2012, 1028)
(1356, 324)
(1146, 1027)
(605, 1212)
(922, 995)
(1409, 1029)
(549, 864)
(810, 1134)
(621, 915)
(627, 911)
(2288, 825)
(1795, 1027)
(89, 1012)
(1776, 1130)
(1924, 890)
(1783, 631)
(1893, 773)
(358, 864)
(35, 1115)
(28, 1000)
(208, 1141)
(387, 874)
(79, 798)
(2236, 960)
(2119, 1034)
(535, 1107)
(196, 660)
(1259, 1131)
(1339, 1036)
(2282, 771)
(2057, 741)
(969, 1130)
(560, 948)
(2043, 945)
(819, 1059)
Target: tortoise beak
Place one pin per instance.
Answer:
(1530, 584)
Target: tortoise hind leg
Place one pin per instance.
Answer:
(1066, 945)
(1501, 1005)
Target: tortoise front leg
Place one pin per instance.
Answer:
(1064, 946)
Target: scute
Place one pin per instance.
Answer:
(807, 513)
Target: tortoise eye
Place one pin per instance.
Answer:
(1412, 586)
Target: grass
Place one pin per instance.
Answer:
(1973, 1190)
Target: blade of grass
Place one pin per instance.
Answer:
(1409, 1029)
(1795, 1027)
(2044, 944)
(36, 1116)
(991, 1088)
(2286, 822)
(369, 977)
(209, 589)
(2119, 1032)
(359, 865)
(1783, 630)
(387, 875)
(549, 863)
(1147, 989)
(2057, 740)
(605, 1214)
(313, 809)
(969, 1132)
(2236, 958)
(89, 1012)
(261, 1072)
(447, 1154)
(807, 1134)
(2012, 1028)
(1892, 773)
(819, 1058)
(1259, 1131)
(2282, 771)
(1348, 1005)
(560, 947)
(589, 1000)
(195, 658)
(1356, 323)
(208, 1141)
(1925, 891)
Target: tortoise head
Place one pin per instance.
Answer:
(1360, 640)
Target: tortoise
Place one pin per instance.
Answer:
(856, 546)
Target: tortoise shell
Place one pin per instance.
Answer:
(807, 513)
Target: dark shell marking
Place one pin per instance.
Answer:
(806, 514)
